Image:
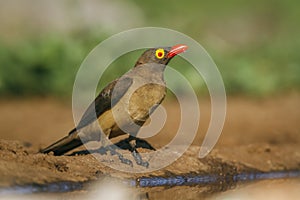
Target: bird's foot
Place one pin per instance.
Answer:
(138, 159)
(125, 160)
(120, 156)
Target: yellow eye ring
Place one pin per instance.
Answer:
(160, 53)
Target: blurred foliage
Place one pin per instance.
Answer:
(43, 66)
(255, 44)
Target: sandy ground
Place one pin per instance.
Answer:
(259, 134)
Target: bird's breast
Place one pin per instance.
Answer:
(144, 100)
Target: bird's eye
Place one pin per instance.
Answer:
(160, 53)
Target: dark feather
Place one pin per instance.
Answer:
(105, 101)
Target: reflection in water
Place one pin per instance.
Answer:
(176, 180)
(213, 179)
(37, 188)
(191, 186)
(205, 186)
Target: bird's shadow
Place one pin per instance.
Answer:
(122, 144)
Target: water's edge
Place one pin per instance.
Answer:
(155, 181)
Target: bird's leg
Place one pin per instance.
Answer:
(135, 153)
(112, 149)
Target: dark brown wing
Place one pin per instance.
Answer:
(104, 101)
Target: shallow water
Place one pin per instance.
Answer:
(192, 186)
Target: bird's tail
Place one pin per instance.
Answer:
(64, 145)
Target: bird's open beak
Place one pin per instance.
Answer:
(177, 49)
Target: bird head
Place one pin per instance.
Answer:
(161, 55)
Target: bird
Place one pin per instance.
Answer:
(124, 105)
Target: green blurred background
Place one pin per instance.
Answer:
(255, 44)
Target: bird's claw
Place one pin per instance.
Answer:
(121, 157)
(125, 160)
(138, 159)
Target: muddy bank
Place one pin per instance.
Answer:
(20, 164)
